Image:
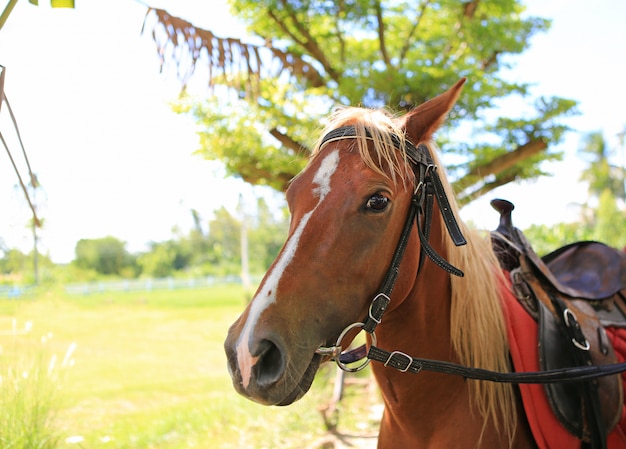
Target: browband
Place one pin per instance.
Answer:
(419, 155)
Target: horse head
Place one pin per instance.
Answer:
(348, 208)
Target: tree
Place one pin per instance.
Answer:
(159, 262)
(306, 58)
(267, 236)
(610, 222)
(604, 221)
(600, 173)
(178, 254)
(606, 224)
(224, 243)
(105, 255)
(16, 267)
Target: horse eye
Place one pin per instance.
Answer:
(377, 202)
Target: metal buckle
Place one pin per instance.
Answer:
(372, 317)
(419, 186)
(408, 358)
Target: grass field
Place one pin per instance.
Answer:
(148, 370)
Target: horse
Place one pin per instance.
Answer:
(350, 212)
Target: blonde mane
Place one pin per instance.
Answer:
(478, 332)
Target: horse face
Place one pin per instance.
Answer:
(345, 224)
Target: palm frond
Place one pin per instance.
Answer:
(230, 61)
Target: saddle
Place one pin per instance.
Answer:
(573, 293)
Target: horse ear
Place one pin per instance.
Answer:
(421, 122)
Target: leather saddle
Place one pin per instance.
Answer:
(573, 293)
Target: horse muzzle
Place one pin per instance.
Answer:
(265, 372)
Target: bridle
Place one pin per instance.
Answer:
(428, 190)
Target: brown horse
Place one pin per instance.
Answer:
(348, 209)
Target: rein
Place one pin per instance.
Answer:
(429, 189)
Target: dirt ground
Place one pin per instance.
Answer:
(371, 406)
(338, 441)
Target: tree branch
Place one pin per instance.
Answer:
(505, 161)
(493, 59)
(473, 184)
(469, 8)
(466, 198)
(185, 44)
(309, 43)
(381, 33)
(255, 175)
(339, 32)
(288, 141)
(409, 39)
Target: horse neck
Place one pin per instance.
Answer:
(418, 319)
(419, 326)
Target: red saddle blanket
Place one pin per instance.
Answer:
(548, 432)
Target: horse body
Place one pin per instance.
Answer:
(348, 208)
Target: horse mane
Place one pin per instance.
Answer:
(478, 332)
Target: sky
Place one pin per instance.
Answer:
(114, 159)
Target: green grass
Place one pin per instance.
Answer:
(149, 371)
(29, 379)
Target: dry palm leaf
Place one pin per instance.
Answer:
(230, 61)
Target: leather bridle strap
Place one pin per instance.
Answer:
(381, 300)
(405, 363)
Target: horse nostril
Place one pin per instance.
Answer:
(271, 363)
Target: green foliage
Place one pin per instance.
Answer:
(159, 262)
(107, 256)
(18, 268)
(238, 135)
(13, 261)
(225, 240)
(605, 224)
(267, 236)
(601, 174)
(195, 253)
(219, 251)
(610, 222)
(545, 239)
(387, 53)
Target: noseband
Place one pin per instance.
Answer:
(429, 189)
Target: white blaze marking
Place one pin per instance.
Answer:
(322, 177)
(267, 294)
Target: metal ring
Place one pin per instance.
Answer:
(584, 346)
(343, 334)
(567, 314)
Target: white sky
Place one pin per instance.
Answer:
(113, 159)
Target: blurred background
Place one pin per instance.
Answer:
(146, 148)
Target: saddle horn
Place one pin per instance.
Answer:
(505, 238)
